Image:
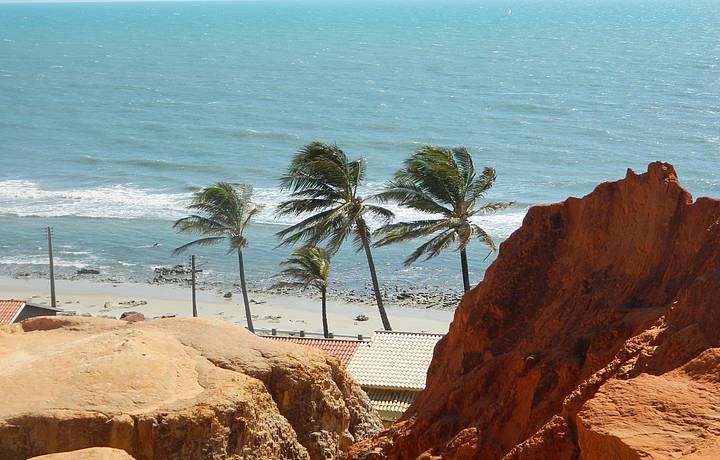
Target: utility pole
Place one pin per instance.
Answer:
(52, 268)
(192, 279)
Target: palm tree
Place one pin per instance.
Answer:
(308, 266)
(324, 184)
(222, 212)
(442, 182)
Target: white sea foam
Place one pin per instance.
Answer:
(41, 260)
(25, 198)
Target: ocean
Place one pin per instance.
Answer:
(112, 114)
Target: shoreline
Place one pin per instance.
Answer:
(394, 295)
(282, 312)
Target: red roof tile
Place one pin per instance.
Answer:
(341, 349)
(9, 310)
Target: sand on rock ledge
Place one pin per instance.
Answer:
(172, 389)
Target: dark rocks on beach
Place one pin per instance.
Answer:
(228, 295)
(177, 274)
(132, 316)
(361, 318)
(23, 276)
(88, 271)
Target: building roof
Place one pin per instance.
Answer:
(344, 350)
(9, 309)
(394, 360)
(394, 401)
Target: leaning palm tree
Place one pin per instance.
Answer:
(324, 184)
(222, 212)
(441, 182)
(308, 267)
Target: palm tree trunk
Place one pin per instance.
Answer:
(373, 277)
(465, 272)
(248, 314)
(326, 332)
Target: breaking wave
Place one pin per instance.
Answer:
(24, 198)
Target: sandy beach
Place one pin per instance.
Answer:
(284, 313)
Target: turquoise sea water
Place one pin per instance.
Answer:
(112, 114)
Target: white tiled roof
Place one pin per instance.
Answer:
(394, 360)
(393, 401)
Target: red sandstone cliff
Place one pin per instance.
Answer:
(594, 335)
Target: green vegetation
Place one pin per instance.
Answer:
(324, 184)
(323, 191)
(441, 182)
(222, 212)
(308, 267)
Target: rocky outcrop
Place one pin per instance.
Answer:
(672, 415)
(172, 389)
(594, 335)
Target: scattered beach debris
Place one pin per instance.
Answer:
(227, 295)
(361, 318)
(258, 302)
(88, 271)
(133, 303)
(23, 276)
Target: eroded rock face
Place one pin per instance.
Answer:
(681, 406)
(590, 306)
(172, 389)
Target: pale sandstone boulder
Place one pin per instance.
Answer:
(172, 389)
(92, 453)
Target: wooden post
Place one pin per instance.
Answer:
(192, 270)
(52, 268)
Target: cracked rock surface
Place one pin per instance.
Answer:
(177, 388)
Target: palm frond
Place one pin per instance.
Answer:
(483, 236)
(199, 225)
(405, 231)
(412, 196)
(220, 211)
(493, 207)
(308, 266)
(481, 184)
(296, 207)
(209, 241)
(384, 214)
(318, 165)
(432, 247)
